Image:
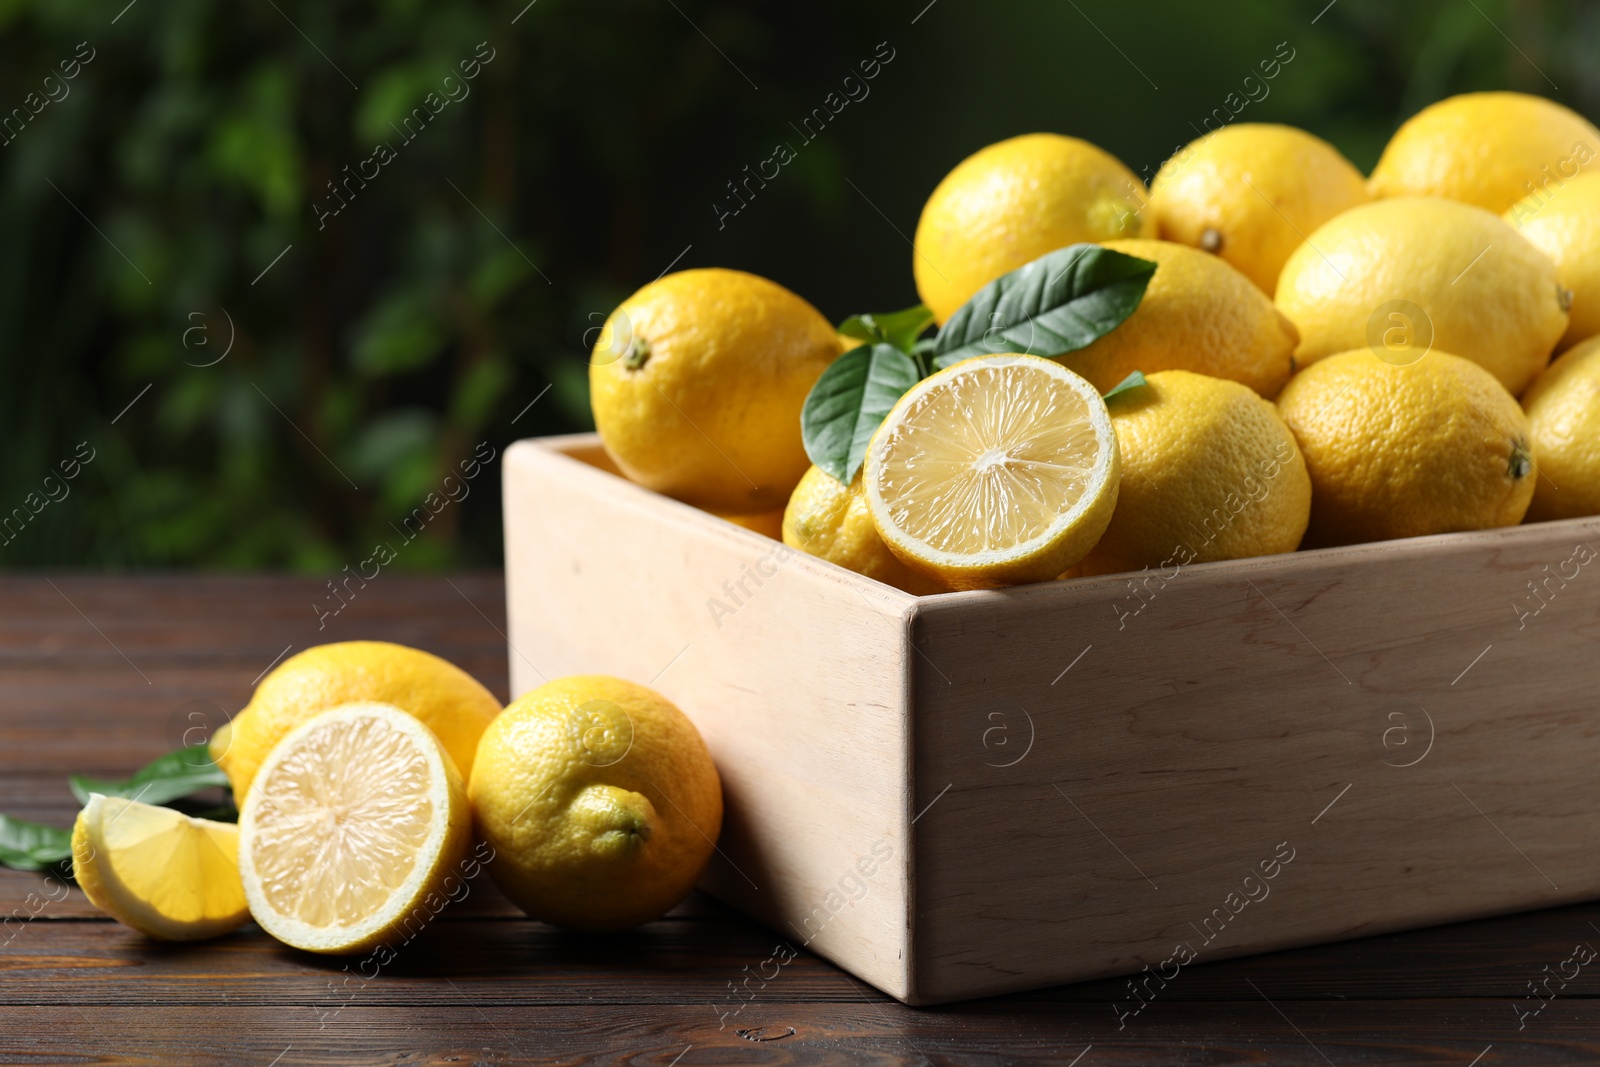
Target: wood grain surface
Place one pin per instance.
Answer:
(100, 674)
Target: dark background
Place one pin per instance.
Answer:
(138, 212)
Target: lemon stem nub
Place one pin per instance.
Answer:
(637, 355)
(1521, 462)
(1211, 240)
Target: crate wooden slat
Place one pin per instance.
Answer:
(972, 793)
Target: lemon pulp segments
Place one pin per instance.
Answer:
(363, 829)
(999, 469)
(352, 818)
(160, 871)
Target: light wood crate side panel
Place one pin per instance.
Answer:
(794, 676)
(1426, 750)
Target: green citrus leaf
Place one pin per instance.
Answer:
(28, 846)
(898, 328)
(177, 774)
(848, 404)
(1057, 304)
(1133, 381)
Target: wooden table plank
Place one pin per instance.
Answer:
(98, 675)
(464, 1033)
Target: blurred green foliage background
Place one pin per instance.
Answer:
(146, 205)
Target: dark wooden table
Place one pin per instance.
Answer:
(102, 674)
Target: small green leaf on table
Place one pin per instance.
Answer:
(29, 846)
(1059, 303)
(177, 774)
(898, 328)
(848, 404)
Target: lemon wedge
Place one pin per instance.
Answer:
(350, 830)
(157, 870)
(998, 470)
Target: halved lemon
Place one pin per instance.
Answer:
(351, 829)
(999, 470)
(157, 870)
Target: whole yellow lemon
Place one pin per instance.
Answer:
(1563, 406)
(1427, 447)
(1406, 275)
(1486, 149)
(697, 382)
(1564, 223)
(1013, 202)
(445, 698)
(1251, 192)
(600, 800)
(1198, 314)
(1209, 472)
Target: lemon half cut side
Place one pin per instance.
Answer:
(157, 870)
(998, 470)
(350, 829)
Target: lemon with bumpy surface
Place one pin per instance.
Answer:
(1487, 149)
(998, 470)
(357, 823)
(1198, 314)
(1438, 274)
(1563, 406)
(159, 871)
(600, 801)
(697, 381)
(445, 698)
(1012, 202)
(1209, 472)
(1565, 225)
(1250, 193)
(832, 521)
(1427, 447)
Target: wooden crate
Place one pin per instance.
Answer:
(975, 793)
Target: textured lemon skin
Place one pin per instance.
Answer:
(600, 820)
(1563, 407)
(430, 882)
(1429, 447)
(86, 872)
(1012, 202)
(1485, 149)
(1209, 472)
(712, 416)
(446, 699)
(1250, 193)
(1489, 295)
(832, 521)
(1198, 314)
(1565, 225)
(1044, 563)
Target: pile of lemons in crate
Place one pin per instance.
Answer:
(1263, 350)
